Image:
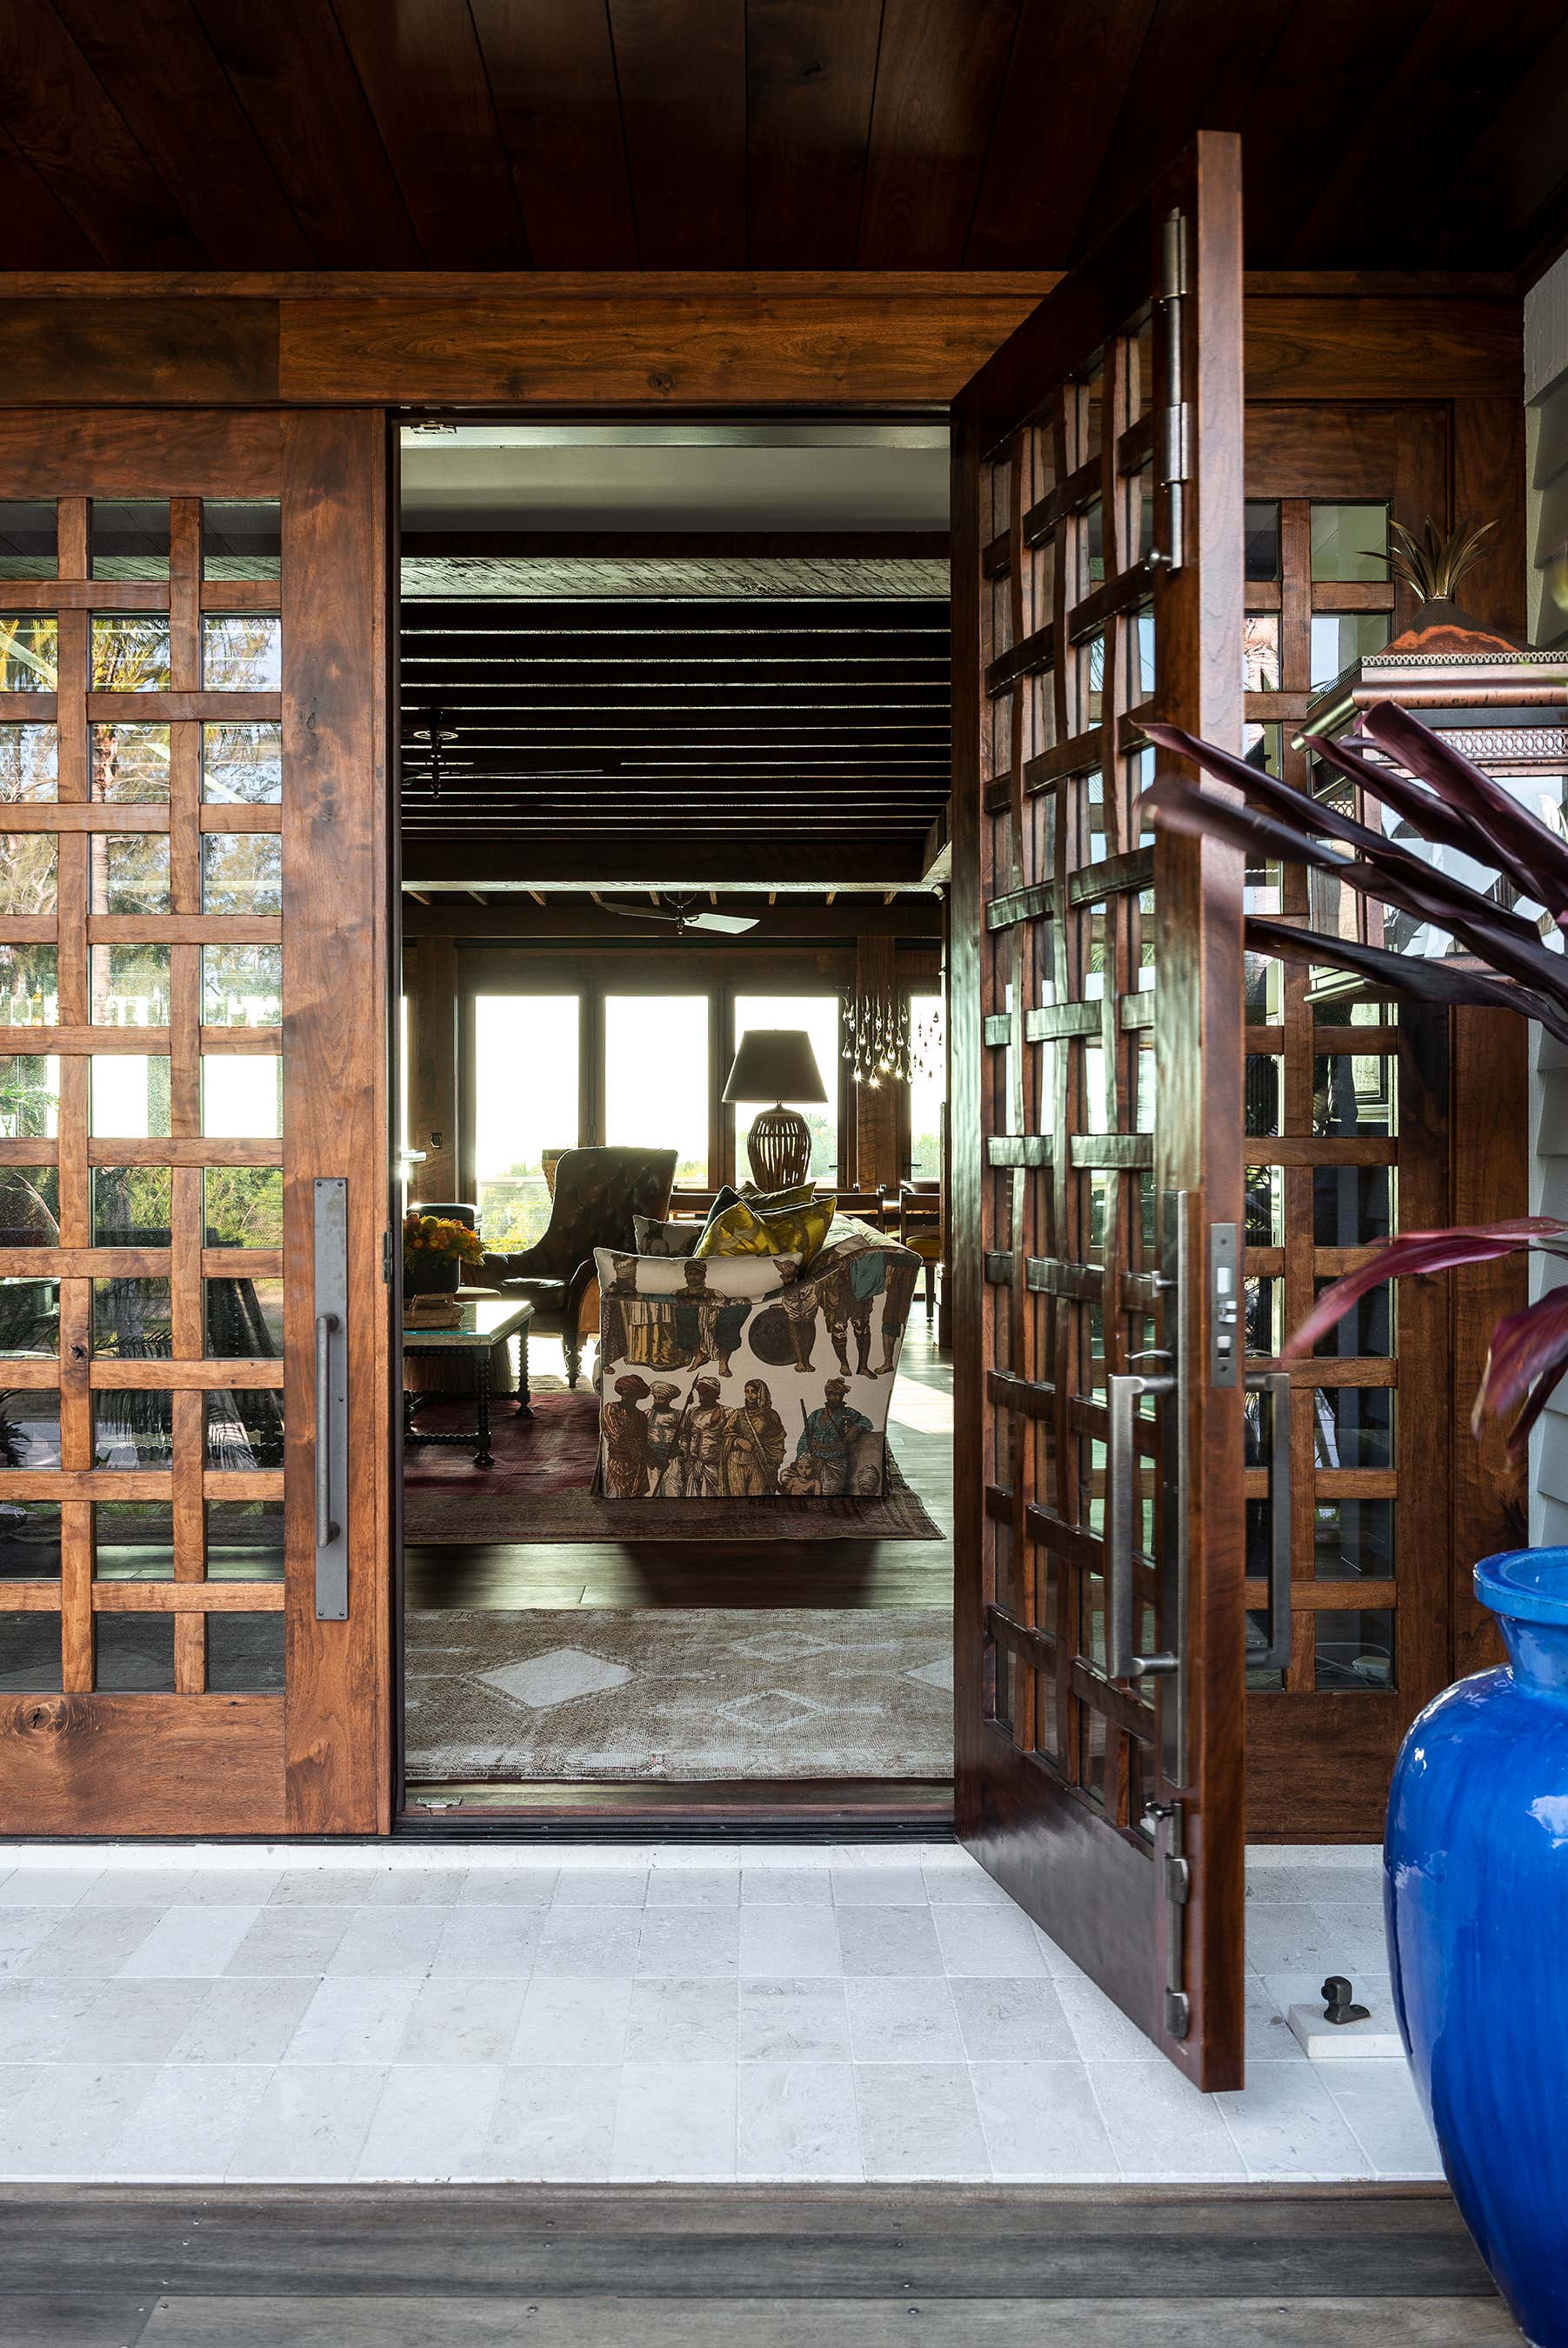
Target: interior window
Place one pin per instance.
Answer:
(927, 1086)
(820, 1016)
(525, 1105)
(656, 1076)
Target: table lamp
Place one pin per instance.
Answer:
(777, 1061)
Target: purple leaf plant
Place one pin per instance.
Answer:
(1509, 959)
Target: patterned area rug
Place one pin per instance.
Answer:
(540, 1489)
(682, 1694)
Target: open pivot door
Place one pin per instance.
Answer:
(1096, 1122)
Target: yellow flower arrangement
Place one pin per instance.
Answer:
(439, 1235)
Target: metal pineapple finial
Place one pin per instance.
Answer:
(1433, 565)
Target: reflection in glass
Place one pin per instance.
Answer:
(1353, 1094)
(242, 1096)
(1350, 541)
(129, 1095)
(1340, 638)
(130, 651)
(241, 538)
(30, 1096)
(242, 1206)
(1265, 1316)
(1262, 526)
(244, 1320)
(820, 1016)
(29, 1541)
(1260, 651)
(245, 1541)
(245, 1653)
(29, 1323)
(1353, 1427)
(29, 872)
(1261, 748)
(1141, 510)
(1352, 1206)
(128, 538)
(241, 986)
(131, 1205)
(245, 1429)
(27, 538)
(135, 1653)
(1263, 1093)
(30, 1652)
(129, 763)
(1265, 985)
(133, 1320)
(29, 986)
(130, 985)
(1091, 682)
(1356, 1651)
(133, 1540)
(29, 763)
(241, 651)
(242, 872)
(29, 1206)
(242, 766)
(1091, 549)
(1366, 1330)
(29, 652)
(1266, 1206)
(927, 1086)
(130, 872)
(132, 1428)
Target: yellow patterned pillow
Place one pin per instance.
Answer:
(739, 1232)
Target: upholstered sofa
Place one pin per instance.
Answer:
(744, 1376)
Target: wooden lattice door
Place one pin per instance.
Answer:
(1097, 1123)
(191, 930)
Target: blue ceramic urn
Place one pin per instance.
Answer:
(1476, 1894)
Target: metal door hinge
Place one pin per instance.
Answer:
(1176, 1889)
(386, 1258)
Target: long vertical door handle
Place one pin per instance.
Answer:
(326, 1324)
(1123, 1395)
(330, 1211)
(1275, 1386)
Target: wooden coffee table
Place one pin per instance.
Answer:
(483, 1327)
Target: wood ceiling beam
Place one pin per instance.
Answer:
(638, 859)
(771, 546)
(915, 913)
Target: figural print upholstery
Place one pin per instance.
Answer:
(708, 1393)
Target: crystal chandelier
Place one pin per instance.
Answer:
(877, 1039)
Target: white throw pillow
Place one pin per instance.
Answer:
(710, 1275)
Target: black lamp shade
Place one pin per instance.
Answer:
(775, 1064)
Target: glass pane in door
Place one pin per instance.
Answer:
(820, 1016)
(526, 1096)
(927, 1086)
(655, 1077)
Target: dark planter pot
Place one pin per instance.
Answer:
(1476, 1895)
(431, 1275)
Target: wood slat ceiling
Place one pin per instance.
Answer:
(772, 134)
(709, 729)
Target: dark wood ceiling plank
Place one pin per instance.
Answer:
(1199, 66)
(1287, 106)
(940, 74)
(1397, 175)
(424, 79)
(810, 75)
(532, 857)
(39, 231)
(1068, 68)
(290, 71)
(156, 64)
(1512, 175)
(551, 73)
(67, 126)
(680, 67)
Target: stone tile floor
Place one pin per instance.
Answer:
(655, 2012)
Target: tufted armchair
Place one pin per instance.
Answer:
(597, 1193)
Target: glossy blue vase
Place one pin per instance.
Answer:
(1476, 1898)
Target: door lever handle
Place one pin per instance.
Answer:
(1123, 1395)
(1275, 1386)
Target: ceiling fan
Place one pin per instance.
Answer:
(680, 918)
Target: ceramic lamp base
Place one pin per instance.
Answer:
(779, 1146)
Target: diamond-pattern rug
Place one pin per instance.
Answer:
(682, 1694)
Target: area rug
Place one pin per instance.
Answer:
(679, 1694)
(540, 1490)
